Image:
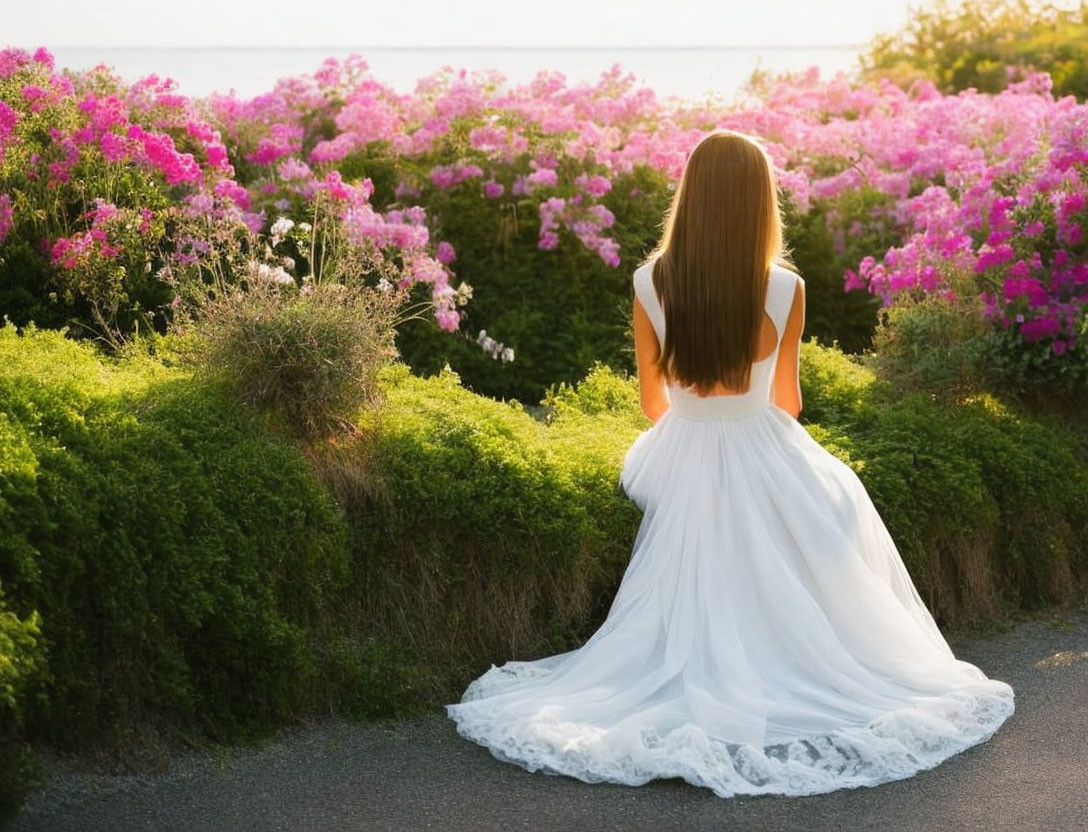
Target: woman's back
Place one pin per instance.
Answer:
(781, 286)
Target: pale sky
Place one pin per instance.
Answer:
(349, 23)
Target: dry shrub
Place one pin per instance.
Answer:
(305, 358)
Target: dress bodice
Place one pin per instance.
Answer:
(685, 400)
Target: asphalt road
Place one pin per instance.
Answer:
(421, 775)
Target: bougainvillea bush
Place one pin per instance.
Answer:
(518, 212)
(116, 198)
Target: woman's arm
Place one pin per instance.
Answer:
(651, 384)
(787, 385)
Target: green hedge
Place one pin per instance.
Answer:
(21, 664)
(189, 572)
(987, 505)
(492, 534)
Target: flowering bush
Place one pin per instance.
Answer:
(862, 167)
(110, 191)
(547, 194)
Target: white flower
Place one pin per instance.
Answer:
(282, 225)
(287, 262)
(269, 274)
(280, 228)
(384, 285)
(494, 348)
(305, 226)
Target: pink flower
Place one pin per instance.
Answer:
(7, 216)
(448, 319)
(8, 119)
(989, 258)
(44, 57)
(445, 253)
(232, 190)
(548, 240)
(543, 176)
(595, 185)
(334, 184)
(851, 281)
(254, 221)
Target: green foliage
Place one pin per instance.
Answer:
(22, 661)
(947, 348)
(179, 561)
(495, 534)
(831, 313)
(601, 391)
(192, 573)
(1032, 370)
(559, 310)
(924, 342)
(963, 486)
(970, 44)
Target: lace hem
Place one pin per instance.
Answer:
(893, 746)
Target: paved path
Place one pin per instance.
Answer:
(420, 775)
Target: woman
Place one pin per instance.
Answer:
(766, 637)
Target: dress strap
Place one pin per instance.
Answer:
(780, 292)
(644, 290)
(780, 289)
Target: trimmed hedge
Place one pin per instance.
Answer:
(495, 534)
(189, 572)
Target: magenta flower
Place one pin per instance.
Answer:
(7, 216)
(232, 190)
(445, 252)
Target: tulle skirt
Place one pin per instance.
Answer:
(766, 637)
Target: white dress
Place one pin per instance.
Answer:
(766, 637)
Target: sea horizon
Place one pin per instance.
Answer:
(694, 73)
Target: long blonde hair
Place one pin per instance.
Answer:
(711, 269)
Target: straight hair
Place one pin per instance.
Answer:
(711, 268)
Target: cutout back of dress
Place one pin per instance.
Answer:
(684, 400)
